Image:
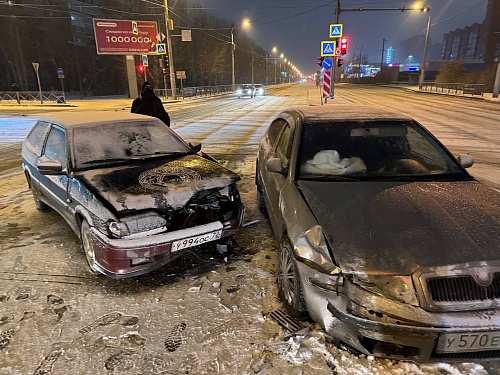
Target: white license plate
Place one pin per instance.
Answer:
(195, 240)
(468, 342)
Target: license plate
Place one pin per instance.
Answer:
(195, 240)
(468, 342)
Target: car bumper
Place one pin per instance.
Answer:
(114, 256)
(398, 339)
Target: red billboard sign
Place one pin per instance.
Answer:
(121, 37)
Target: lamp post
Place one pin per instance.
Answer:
(233, 82)
(170, 53)
(233, 48)
(422, 64)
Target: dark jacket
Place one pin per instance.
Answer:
(149, 104)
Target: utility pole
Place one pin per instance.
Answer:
(170, 54)
(383, 50)
(422, 65)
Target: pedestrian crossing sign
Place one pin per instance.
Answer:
(160, 49)
(328, 48)
(336, 30)
(135, 29)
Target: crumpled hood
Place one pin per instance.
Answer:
(394, 228)
(159, 184)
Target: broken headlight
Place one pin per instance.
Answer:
(311, 246)
(399, 288)
(143, 224)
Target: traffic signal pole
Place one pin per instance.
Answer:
(170, 54)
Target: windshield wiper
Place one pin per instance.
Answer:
(166, 153)
(106, 160)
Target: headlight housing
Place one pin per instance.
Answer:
(144, 224)
(399, 288)
(311, 246)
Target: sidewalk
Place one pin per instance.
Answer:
(487, 96)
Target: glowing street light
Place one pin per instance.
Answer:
(245, 23)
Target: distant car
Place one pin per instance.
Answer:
(384, 238)
(246, 90)
(135, 193)
(259, 89)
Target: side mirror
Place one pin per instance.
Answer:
(274, 165)
(50, 167)
(465, 161)
(196, 146)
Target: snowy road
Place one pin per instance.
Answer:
(207, 313)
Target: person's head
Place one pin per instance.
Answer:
(147, 92)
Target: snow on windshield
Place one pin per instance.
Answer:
(107, 141)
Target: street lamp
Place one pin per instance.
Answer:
(245, 23)
(425, 8)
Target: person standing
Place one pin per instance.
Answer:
(150, 104)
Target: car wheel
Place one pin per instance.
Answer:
(290, 290)
(88, 246)
(40, 206)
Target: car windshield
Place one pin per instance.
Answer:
(369, 150)
(118, 142)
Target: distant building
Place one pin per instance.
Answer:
(475, 43)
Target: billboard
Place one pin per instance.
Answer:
(122, 37)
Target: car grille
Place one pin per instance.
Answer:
(462, 288)
(468, 355)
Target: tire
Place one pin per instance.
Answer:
(88, 247)
(290, 290)
(40, 206)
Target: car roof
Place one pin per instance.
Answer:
(337, 112)
(84, 118)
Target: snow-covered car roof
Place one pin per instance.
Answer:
(345, 112)
(82, 118)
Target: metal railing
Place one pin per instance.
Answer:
(29, 97)
(193, 92)
(456, 88)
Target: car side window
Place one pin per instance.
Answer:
(35, 137)
(275, 130)
(284, 145)
(55, 147)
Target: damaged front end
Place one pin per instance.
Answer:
(386, 315)
(140, 242)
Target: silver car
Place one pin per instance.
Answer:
(384, 238)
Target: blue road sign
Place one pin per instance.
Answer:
(160, 49)
(336, 30)
(327, 48)
(60, 71)
(327, 64)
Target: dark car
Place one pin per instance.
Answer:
(385, 239)
(135, 193)
(246, 90)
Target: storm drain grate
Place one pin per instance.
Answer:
(285, 320)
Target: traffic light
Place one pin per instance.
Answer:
(164, 70)
(340, 62)
(320, 60)
(141, 69)
(343, 46)
(165, 61)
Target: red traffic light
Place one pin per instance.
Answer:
(343, 46)
(164, 70)
(320, 60)
(141, 69)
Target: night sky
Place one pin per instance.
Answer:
(296, 27)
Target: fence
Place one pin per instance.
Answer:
(192, 92)
(28, 97)
(456, 88)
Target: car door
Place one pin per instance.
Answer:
(55, 187)
(276, 181)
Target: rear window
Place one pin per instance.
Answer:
(36, 136)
